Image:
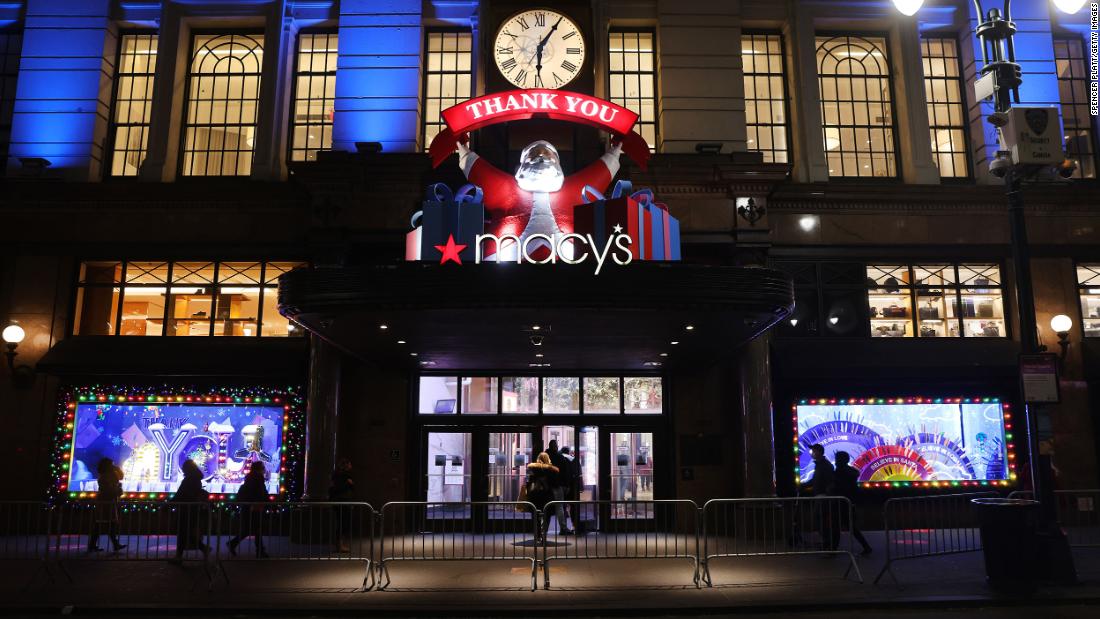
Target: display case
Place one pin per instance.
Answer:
(1088, 291)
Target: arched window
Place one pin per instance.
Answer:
(856, 109)
(223, 96)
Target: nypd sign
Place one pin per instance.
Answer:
(1034, 135)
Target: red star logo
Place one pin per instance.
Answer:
(450, 251)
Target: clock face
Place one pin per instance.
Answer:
(539, 48)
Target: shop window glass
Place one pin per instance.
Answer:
(132, 111)
(601, 396)
(1088, 290)
(448, 78)
(935, 300)
(520, 394)
(192, 298)
(643, 395)
(223, 95)
(856, 108)
(438, 395)
(1072, 66)
(947, 121)
(479, 395)
(632, 474)
(765, 95)
(561, 395)
(314, 96)
(890, 301)
(632, 72)
(981, 301)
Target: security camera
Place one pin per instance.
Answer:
(998, 119)
(1066, 168)
(537, 340)
(1000, 166)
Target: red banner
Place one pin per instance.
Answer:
(536, 102)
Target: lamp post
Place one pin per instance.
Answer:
(13, 335)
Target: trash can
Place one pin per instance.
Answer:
(1008, 530)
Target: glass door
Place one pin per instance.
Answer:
(448, 473)
(631, 473)
(509, 455)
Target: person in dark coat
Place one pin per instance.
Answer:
(822, 484)
(846, 484)
(109, 477)
(191, 496)
(558, 486)
(250, 519)
(571, 481)
(540, 482)
(342, 489)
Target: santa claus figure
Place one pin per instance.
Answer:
(539, 198)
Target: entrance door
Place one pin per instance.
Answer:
(509, 455)
(631, 472)
(448, 473)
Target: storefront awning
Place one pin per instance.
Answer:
(484, 316)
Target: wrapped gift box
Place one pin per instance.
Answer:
(445, 214)
(598, 216)
(663, 237)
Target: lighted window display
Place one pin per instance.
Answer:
(1088, 289)
(632, 474)
(223, 95)
(856, 109)
(448, 473)
(448, 78)
(11, 45)
(601, 395)
(1072, 66)
(438, 395)
(907, 441)
(314, 95)
(943, 94)
(632, 73)
(935, 300)
(643, 395)
(137, 64)
(181, 299)
(479, 395)
(509, 455)
(561, 395)
(520, 394)
(765, 95)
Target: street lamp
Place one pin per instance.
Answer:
(910, 7)
(1069, 6)
(1061, 324)
(22, 375)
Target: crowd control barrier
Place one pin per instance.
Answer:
(776, 527)
(295, 532)
(657, 529)
(927, 526)
(131, 531)
(25, 536)
(1078, 514)
(478, 531)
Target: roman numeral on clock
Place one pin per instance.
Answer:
(521, 77)
(569, 36)
(540, 19)
(558, 81)
(538, 81)
(523, 23)
(505, 51)
(508, 65)
(573, 51)
(568, 66)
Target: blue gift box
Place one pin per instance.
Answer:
(445, 214)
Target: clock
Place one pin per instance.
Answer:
(539, 48)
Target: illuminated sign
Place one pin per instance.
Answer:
(568, 248)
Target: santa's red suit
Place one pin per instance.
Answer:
(510, 208)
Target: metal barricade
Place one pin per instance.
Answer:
(25, 535)
(477, 531)
(776, 527)
(314, 531)
(131, 531)
(657, 529)
(926, 526)
(1078, 514)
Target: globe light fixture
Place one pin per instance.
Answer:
(1061, 323)
(910, 7)
(1068, 6)
(22, 375)
(13, 335)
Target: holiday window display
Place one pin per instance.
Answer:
(150, 433)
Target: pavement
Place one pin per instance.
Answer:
(655, 587)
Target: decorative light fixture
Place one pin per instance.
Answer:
(794, 322)
(21, 375)
(1061, 324)
(400, 341)
(383, 327)
(536, 327)
(1069, 6)
(690, 327)
(910, 7)
(664, 354)
(808, 222)
(674, 342)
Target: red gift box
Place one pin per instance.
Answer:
(597, 216)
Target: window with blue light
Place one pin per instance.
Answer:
(946, 109)
(1073, 91)
(314, 96)
(448, 77)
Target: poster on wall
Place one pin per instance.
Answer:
(149, 441)
(909, 440)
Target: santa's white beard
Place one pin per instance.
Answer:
(541, 176)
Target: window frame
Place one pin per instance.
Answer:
(896, 178)
(185, 125)
(1081, 293)
(295, 74)
(788, 147)
(6, 125)
(425, 74)
(964, 127)
(1093, 140)
(652, 31)
(112, 122)
(517, 417)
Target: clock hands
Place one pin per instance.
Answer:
(538, 50)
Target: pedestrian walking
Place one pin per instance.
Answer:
(249, 515)
(341, 489)
(558, 486)
(846, 483)
(192, 498)
(540, 479)
(105, 513)
(822, 484)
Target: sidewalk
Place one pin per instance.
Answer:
(503, 587)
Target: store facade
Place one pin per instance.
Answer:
(247, 235)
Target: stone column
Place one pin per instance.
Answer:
(807, 141)
(910, 109)
(701, 94)
(322, 412)
(268, 160)
(64, 87)
(759, 449)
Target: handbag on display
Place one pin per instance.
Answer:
(894, 311)
(991, 330)
(985, 309)
(967, 309)
(927, 312)
(927, 332)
